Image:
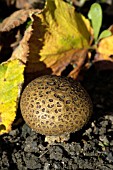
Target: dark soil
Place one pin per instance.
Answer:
(90, 148)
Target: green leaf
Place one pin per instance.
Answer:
(104, 34)
(28, 23)
(95, 15)
(11, 79)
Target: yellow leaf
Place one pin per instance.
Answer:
(105, 48)
(57, 30)
(65, 29)
(11, 79)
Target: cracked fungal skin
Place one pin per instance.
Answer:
(55, 106)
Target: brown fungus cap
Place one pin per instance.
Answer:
(55, 106)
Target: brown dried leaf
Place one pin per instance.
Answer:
(74, 57)
(26, 51)
(23, 4)
(27, 4)
(14, 20)
(21, 52)
(79, 60)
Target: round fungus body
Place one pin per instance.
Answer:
(55, 106)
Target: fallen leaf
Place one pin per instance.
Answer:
(105, 48)
(26, 4)
(79, 59)
(14, 20)
(23, 4)
(11, 79)
(75, 58)
(54, 38)
(63, 31)
(21, 52)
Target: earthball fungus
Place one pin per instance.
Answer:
(55, 106)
